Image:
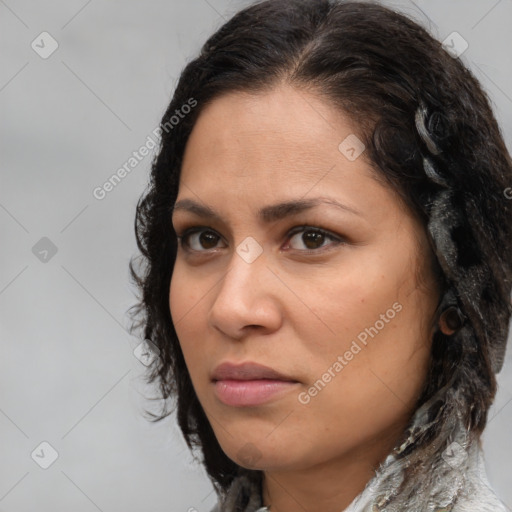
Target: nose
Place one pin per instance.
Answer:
(247, 298)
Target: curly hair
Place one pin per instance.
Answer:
(429, 133)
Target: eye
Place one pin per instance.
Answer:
(302, 238)
(308, 238)
(200, 239)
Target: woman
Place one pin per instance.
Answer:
(326, 272)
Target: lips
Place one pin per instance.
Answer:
(249, 384)
(247, 371)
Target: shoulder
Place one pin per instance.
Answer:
(478, 494)
(484, 500)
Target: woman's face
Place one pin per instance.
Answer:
(310, 267)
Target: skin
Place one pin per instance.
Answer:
(299, 305)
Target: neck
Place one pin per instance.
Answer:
(329, 486)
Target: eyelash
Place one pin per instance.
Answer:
(335, 240)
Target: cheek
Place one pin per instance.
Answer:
(375, 325)
(186, 292)
(180, 298)
(344, 304)
(185, 307)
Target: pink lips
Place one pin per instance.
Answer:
(248, 384)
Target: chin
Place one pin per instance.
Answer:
(261, 456)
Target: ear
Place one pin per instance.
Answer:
(451, 320)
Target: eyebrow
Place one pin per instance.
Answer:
(267, 214)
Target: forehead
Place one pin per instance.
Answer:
(279, 136)
(249, 154)
(251, 150)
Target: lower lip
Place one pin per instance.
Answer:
(244, 393)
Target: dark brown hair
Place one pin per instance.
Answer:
(429, 132)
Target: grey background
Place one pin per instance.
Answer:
(68, 375)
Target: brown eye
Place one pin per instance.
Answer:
(308, 238)
(200, 240)
(313, 239)
(208, 240)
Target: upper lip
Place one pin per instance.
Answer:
(246, 371)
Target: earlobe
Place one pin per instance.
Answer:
(448, 317)
(451, 320)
